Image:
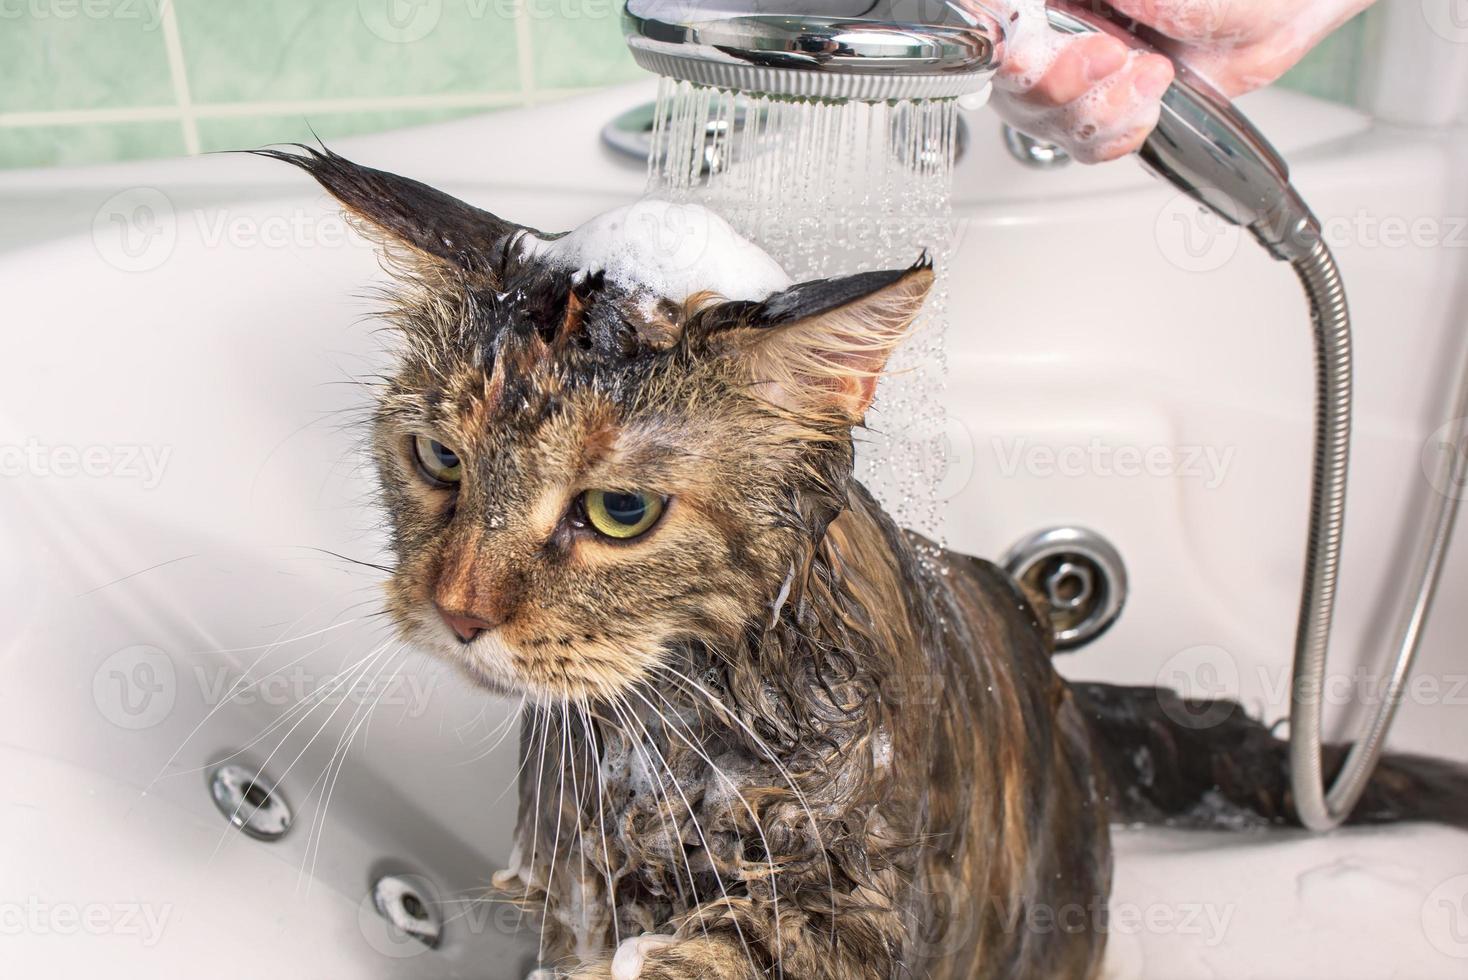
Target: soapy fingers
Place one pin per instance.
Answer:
(1242, 45)
(1099, 99)
(1091, 93)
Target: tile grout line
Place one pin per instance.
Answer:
(179, 74)
(79, 117)
(283, 107)
(524, 51)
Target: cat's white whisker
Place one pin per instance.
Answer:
(598, 747)
(276, 644)
(326, 692)
(235, 691)
(754, 818)
(579, 841)
(339, 757)
(698, 829)
(774, 760)
(556, 842)
(499, 733)
(519, 716)
(306, 704)
(665, 815)
(535, 822)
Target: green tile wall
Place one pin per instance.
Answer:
(94, 80)
(1334, 69)
(277, 50)
(53, 61)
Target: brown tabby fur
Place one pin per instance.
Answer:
(776, 727)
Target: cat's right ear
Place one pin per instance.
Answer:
(400, 213)
(819, 348)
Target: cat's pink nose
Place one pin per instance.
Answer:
(466, 626)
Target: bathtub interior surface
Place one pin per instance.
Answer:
(170, 608)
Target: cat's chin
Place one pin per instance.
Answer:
(494, 683)
(512, 685)
(487, 662)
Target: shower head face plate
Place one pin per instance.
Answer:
(838, 50)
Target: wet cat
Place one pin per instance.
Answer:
(766, 737)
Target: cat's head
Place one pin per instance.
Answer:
(580, 482)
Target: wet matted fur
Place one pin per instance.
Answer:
(775, 729)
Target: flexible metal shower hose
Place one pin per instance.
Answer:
(1320, 808)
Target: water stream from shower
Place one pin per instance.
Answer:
(830, 189)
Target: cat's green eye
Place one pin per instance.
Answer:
(621, 514)
(437, 461)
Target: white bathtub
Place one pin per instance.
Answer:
(177, 337)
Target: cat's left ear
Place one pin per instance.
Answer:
(438, 229)
(820, 347)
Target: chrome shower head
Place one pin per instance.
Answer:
(842, 50)
(876, 50)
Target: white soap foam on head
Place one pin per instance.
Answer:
(659, 249)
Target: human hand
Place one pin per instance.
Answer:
(1099, 99)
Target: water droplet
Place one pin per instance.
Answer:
(831, 189)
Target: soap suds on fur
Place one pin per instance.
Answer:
(660, 249)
